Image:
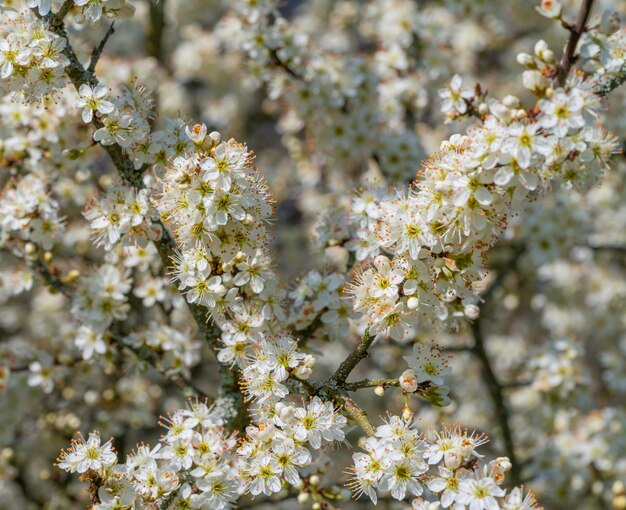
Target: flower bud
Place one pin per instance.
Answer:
(540, 47)
(407, 414)
(548, 57)
(412, 303)
(303, 497)
(30, 249)
(472, 311)
(314, 480)
(511, 101)
(452, 459)
(379, 390)
(214, 138)
(526, 60)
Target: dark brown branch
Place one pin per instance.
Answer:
(284, 65)
(497, 397)
(95, 56)
(371, 383)
(50, 278)
(353, 359)
(491, 381)
(568, 58)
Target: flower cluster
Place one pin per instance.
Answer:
(330, 94)
(557, 370)
(88, 455)
(120, 216)
(197, 464)
(101, 299)
(90, 10)
(277, 447)
(270, 364)
(29, 213)
(219, 207)
(438, 231)
(399, 460)
(317, 301)
(178, 350)
(32, 59)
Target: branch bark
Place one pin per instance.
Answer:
(354, 358)
(568, 58)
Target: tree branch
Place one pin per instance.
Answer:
(607, 84)
(491, 381)
(166, 245)
(497, 397)
(95, 56)
(568, 58)
(353, 359)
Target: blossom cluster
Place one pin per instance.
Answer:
(198, 464)
(89, 10)
(32, 60)
(29, 214)
(401, 461)
(152, 237)
(428, 243)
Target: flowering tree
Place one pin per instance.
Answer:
(482, 285)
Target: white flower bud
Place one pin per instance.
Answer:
(526, 60)
(535, 81)
(303, 497)
(540, 47)
(412, 303)
(511, 101)
(452, 459)
(215, 138)
(472, 311)
(314, 480)
(548, 57)
(379, 390)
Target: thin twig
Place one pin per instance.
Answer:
(491, 381)
(497, 397)
(371, 383)
(95, 56)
